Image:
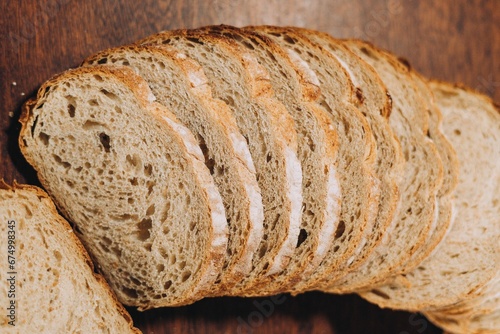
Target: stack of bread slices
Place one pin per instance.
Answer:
(225, 161)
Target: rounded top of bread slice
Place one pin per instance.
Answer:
(132, 179)
(57, 289)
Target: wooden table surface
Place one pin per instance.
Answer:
(449, 40)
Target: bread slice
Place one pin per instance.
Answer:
(473, 315)
(132, 179)
(295, 86)
(50, 285)
(359, 186)
(237, 78)
(470, 314)
(180, 84)
(469, 257)
(448, 155)
(374, 102)
(422, 179)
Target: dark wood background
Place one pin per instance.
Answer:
(449, 40)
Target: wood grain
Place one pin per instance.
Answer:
(448, 40)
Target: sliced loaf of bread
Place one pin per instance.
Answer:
(49, 284)
(357, 149)
(297, 88)
(133, 181)
(180, 84)
(449, 158)
(422, 179)
(237, 78)
(375, 104)
(469, 256)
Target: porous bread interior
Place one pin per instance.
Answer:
(419, 185)
(180, 84)
(374, 103)
(443, 213)
(56, 289)
(129, 183)
(317, 148)
(355, 159)
(452, 274)
(251, 101)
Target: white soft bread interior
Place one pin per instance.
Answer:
(55, 288)
(133, 181)
(469, 256)
(180, 84)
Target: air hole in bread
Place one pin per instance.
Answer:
(167, 284)
(98, 78)
(144, 227)
(34, 125)
(150, 184)
(194, 40)
(380, 294)
(104, 247)
(248, 45)
(302, 237)
(60, 161)
(289, 39)
(263, 250)
(185, 276)
(133, 181)
(91, 125)
(93, 102)
(457, 132)
(70, 184)
(108, 94)
(71, 110)
(107, 241)
(130, 292)
(44, 138)
(368, 53)
(151, 210)
(268, 157)
(172, 259)
(229, 101)
(148, 169)
(192, 226)
(105, 141)
(340, 229)
(102, 61)
(116, 251)
(163, 252)
(133, 160)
